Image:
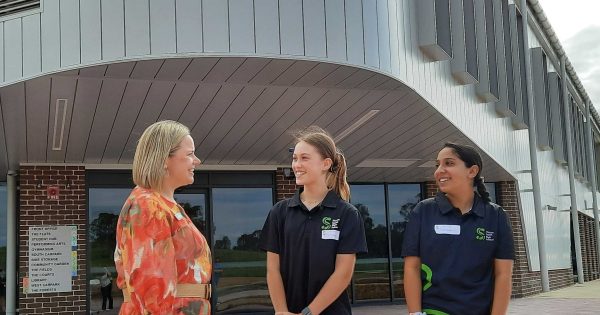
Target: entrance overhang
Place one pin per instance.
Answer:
(241, 111)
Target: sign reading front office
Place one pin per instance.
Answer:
(50, 259)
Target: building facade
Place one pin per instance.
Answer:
(391, 80)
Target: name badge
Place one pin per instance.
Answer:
(178, 216)
(447, 229)
(330, 235)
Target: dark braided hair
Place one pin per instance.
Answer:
(471, 157)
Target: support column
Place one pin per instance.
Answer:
(535, 178)
(570, 167)
(11, 243)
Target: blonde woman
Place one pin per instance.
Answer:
(162, 259)
(312, 239)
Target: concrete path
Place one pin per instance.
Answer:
(578, 299)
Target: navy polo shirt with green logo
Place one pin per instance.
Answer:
(307, 243)
(457, 253)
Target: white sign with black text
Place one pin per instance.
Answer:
(50, 259)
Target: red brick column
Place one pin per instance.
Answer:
(36, 209)
(431, 189)
(286, 187)
(589, 249)
(525, 281)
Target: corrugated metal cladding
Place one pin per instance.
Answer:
(382, 36)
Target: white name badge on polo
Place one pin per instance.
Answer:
(178, 216)
(330, 235)
(447, 229)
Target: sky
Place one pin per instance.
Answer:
(577, 26)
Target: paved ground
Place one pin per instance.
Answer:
(577, 299)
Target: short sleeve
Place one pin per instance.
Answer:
(412, 233)
(146, 257)
(352, 234)
(506, 246)
(270, 233)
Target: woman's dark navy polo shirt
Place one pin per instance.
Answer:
(307, 243)
(457, 253)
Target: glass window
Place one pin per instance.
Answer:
(3, 228)
(104, 207)
(371, 273)
(194, 204)
(240, 266)
(402, 199)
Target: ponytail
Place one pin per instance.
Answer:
(337, 179)
(481, 189)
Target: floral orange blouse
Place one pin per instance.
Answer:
(158, 247)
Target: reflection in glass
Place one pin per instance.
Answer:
(194, 205)
(3, 228)
(240, 266)
(402, 199)
(104, 207)
(371, 275)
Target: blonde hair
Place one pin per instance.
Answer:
(323, 142)
(159, 141)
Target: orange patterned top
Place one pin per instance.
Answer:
(158, 247)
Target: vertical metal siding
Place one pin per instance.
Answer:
(163, 37)
(113, 29)
(137, 27)
(32, 54)
(354, 32)
(242, 26)
(189, 25)
(336, 29)
(70, 41)
(50, 37)
(91, 31)
(291, 28)
(13, 54)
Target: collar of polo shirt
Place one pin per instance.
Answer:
(329, 201)
(445, 206)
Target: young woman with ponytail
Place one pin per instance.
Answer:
(458, 247)
(312, 238)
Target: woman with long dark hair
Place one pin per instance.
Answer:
(458, 247)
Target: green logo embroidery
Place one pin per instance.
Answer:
(480, 234)
(483, 235)
(330, 224)
(326, 223)
(428, 276)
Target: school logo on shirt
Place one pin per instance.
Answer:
(330, 229)
(330, 224)
(482, 235)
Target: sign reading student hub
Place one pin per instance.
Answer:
(50, 259)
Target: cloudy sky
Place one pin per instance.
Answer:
(577, 26)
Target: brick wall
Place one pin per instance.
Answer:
(286, 187)
(525, 281)
(36, 209)
(431, 189)
(589, 249)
